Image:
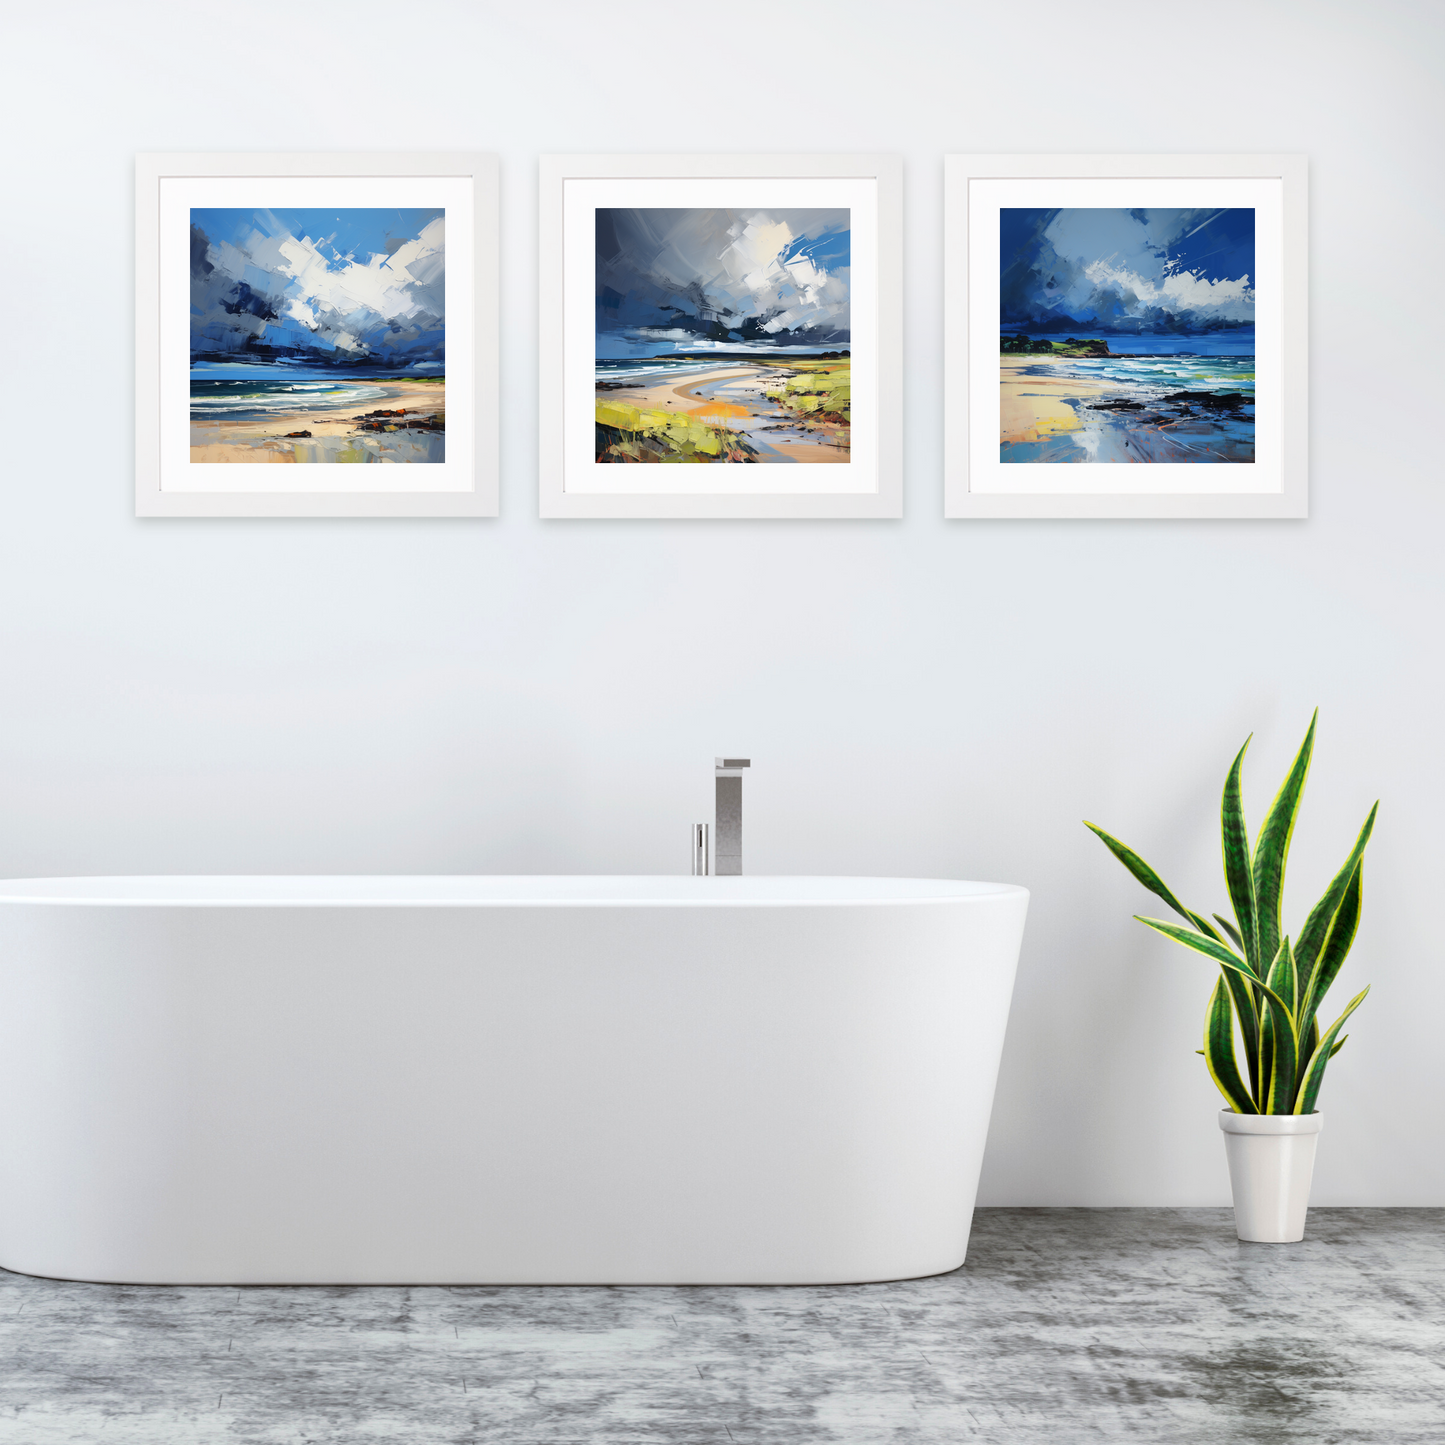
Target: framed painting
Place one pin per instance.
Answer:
(720, 336)
(316, 336)
(1126, 336)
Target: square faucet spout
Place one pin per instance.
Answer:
(728, 819)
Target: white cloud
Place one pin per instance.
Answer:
(300, 281)
(1225, 300)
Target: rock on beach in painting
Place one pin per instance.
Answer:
(292, 420)
(1134, 408)
(1126, 335)
(318, 335)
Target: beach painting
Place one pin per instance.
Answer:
(317, 335)
(1127, 335)
(723, 335)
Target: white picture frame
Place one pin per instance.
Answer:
(1273, 483)
(457, 479)
(573, 484)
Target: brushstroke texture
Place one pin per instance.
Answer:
(318, 336)
(752, 307)
(674, 279)
(1126, 335)
(1128, 272)
(352, 287)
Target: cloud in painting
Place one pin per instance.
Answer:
(1126, 271)
(670, 279)
(351, 287)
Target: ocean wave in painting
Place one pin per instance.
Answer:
(318, 335)
(238, 399)
(1126, 335)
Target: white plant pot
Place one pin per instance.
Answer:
(1271, 1163)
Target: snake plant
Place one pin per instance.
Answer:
(1269, 987)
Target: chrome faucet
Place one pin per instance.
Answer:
(728, 815)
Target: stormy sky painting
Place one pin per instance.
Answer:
(670, 280)
(1127, 335)
(355, 288)
(723, 335)
(1127, 272)
(318, 335)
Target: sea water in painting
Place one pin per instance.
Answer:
(1127, 335)
(318, 335)
(723, 335)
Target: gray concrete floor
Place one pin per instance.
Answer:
(1065, 1325)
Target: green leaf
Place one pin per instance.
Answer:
(1332, 955)
(1279, 1037)
(1339, 1044)
(1271, 850)
(1142, 872)
(1209, 947)
(1277, 1029)
(1219, 1051)
(1313, 1074)
(1275, 1010)
(1238, 873)
(1340, 908)
(1322, 915)
(1246, 1007)
(1283, 976)
(1205, 927)
(1231, 930)
(1279, 1091)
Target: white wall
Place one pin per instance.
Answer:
(918, 697)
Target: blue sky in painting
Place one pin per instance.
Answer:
(354, 287)
(673, 280)
(1132, 272)
(355, 233)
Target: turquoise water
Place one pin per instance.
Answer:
(1168, 373)
(1140, 415)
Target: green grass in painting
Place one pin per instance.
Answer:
(1010, 346)
(818, 391)
(633, 434)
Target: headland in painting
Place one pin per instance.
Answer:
(1127, 334)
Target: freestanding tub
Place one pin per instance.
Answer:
(497, 1080)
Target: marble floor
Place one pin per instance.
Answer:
(1065, 1325)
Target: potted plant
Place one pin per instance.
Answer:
(1271, 990)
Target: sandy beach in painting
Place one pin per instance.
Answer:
(722, 335)
(318, 335)
(747, 401)
(404, 421)
(1035, 404)
(1126, 408)
(1126, 335)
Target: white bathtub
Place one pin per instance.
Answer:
(497, 1080)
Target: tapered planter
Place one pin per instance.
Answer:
(1271, 1163)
